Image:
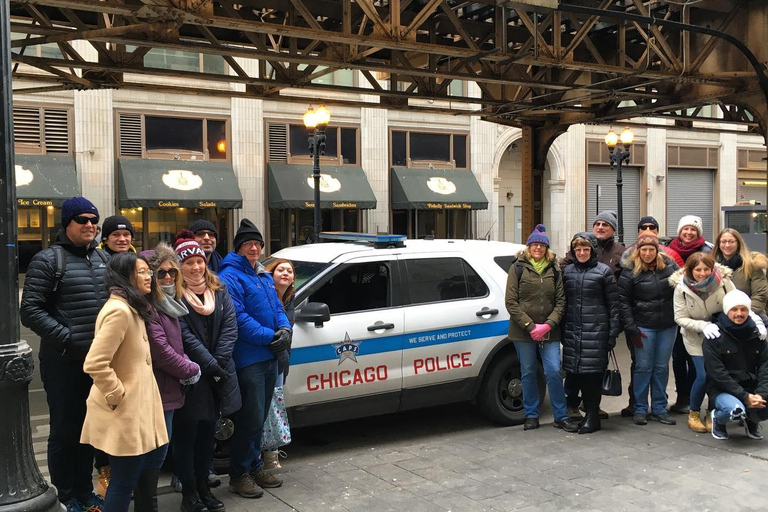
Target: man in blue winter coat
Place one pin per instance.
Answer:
(263, 332)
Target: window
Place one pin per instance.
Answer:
(184, 138)
(178, 60)
(357, 287)
(438, 279)
(46, 51)
(505, 262)
(41, 130)
(423, 149)
(303, 271)
(341, 145)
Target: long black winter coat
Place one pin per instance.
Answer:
(65, 319)
(591, 315)
(646, 299)
(209, 341)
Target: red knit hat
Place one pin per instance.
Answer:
(187, 247)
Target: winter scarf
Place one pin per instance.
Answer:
(738, 331)
(685, 250)
(734, 263)
(706, 287)
(540, 265)
(195, 288)
(169, 305)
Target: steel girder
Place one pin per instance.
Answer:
(537, 67)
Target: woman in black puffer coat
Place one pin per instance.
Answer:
(591, 324)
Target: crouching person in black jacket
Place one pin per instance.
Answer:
(591, 325)
(737, 369)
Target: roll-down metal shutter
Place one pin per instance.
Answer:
(690, 192)
(605, 177)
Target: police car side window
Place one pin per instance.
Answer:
(356, 287)
(438, 279)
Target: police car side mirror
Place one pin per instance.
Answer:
(315, 312)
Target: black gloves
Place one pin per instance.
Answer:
(282, 340)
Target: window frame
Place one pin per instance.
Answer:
(159, 154)
(430, 164)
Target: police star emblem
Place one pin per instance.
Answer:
(347, 349)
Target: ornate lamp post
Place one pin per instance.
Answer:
(619, 157)
(22, 487)
(316, 122)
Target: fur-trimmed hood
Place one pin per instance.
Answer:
(759, 260)
(678, 275)
(162, 253)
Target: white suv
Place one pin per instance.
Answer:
(394, 324)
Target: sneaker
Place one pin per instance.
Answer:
(718, 431)
(245, 487)
(265, 480)
(663, 417)
(752, 429)
(73, 506)
(92, 503)
(640, 418)
(531, 423)
(213, 479)
(175, 483)
(573, 412)
(628, 411)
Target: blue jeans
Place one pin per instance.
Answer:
(125, 475)
(652, 369)
(550, 357)
(257, 384)
(699, 387)
(728, 408)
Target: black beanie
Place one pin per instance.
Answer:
(247, 231)
(201, 224)
(647, 220)
(114, 223)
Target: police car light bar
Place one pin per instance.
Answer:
(379, 241)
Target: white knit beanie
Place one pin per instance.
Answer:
(736, 298)
(690, 220)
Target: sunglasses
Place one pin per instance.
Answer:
(645, 227)
(82, 219)
(162, 274)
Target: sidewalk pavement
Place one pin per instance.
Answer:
(448, 459)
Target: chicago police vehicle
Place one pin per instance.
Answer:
(385, 324)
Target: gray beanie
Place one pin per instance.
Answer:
(609, 217)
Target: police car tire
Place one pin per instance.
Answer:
(493, 398)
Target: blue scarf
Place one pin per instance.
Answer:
(738, 331)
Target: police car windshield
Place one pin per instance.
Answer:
(304, 271)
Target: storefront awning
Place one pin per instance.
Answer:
(45, 180)
(174, 183)
(292, 186)
(436, 189)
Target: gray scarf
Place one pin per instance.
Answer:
(169, 305)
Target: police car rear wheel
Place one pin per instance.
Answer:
(501, 395)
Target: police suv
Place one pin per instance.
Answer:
(386, 324)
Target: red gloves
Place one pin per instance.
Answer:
(637, 339)
(540, 331)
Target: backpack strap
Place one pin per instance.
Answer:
(59, 265)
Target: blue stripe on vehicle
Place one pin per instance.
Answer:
(380, 345)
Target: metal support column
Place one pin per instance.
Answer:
(22, 487)
(527, 158)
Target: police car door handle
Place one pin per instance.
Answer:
(487, 312)
(379, 325)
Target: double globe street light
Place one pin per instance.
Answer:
(316, 122)
(619, 157)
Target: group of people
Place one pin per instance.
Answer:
(145, 351)
(698, 304)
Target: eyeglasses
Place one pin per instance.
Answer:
(203, 234)
(645, 227)
(602, 224)
(162, 273)
(82, 219)
(145, 273)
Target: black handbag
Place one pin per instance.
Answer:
(612, 377)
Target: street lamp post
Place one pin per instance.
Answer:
(316, 122)
(619, 157)
(22, 487)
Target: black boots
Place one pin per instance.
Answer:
(145, 494)
(207, 497)
(190, 501)
(590, 424)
